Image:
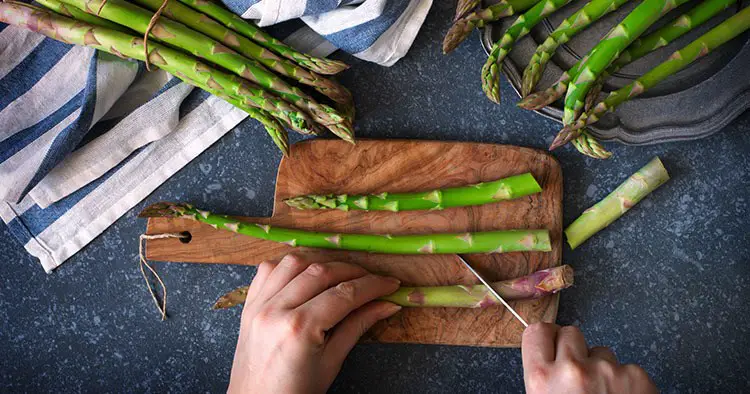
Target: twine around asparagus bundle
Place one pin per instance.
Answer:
(226, 56)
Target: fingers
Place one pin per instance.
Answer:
(346, 334)
(603, 353)
(288, 268)
(315, 279)
(261, 275)
(538, 344)
(571, 345)
(333, 305)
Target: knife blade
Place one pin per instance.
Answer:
(493, 292)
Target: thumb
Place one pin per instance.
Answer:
(346, 334)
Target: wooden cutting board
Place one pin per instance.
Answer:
(334, 166)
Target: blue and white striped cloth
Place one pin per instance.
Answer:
(78, 149)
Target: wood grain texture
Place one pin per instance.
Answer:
(333, 166)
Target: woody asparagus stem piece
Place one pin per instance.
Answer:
(539, 284)
(480, 242)
(482, 193)
(629, 193)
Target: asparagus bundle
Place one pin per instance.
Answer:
(247, 29)
(629, 193)
(659, 38)
(680, 59)
(75, 13)
(462, 27)
(539, 284)
(482, 193)
(575, 23)
(481, 242)
(519, 28)
(248, 48)
(180, 36)
(177, 63)
(294, 108)
(607, 50)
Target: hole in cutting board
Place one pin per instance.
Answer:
(186, 237)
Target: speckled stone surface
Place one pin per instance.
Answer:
(665, 286)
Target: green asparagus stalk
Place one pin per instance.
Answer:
(609, 48)
(539, 100)
(519, 28)
(248, 48)
(606, 211)
(75, 13)
(589, 146)
(571, 26)
(174, 62)
(537, 285)
(482, 193)
(464, 26)
(180, 36)
(274, 129)
(247, 29)
(696, 16)
(719, 35)
(481, 242)
(463, 7)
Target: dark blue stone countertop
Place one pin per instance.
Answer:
(665, 286)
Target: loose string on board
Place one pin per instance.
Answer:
(162, 307)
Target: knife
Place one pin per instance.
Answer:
(493, 292)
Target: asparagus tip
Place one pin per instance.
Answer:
(159, 209)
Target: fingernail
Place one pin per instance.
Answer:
(393, 280)
(390, 310)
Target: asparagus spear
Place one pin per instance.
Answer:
(537, 285)
(589, 146)
(179, 35)
(203, 24)
(607, 50)
(539, 100)
(174, 62)
(463, 7)
(247, 29)
(719, 35)
(75, 13)
(481, 242)
(696, 16)
(274, 129)
(606, 211)
(462, 27)
(482, 193)
(571, 26)
(519, 28)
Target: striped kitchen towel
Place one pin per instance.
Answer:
(84, 136)
(380, 31)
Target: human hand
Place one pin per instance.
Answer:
(301, 320)
(557, 360)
